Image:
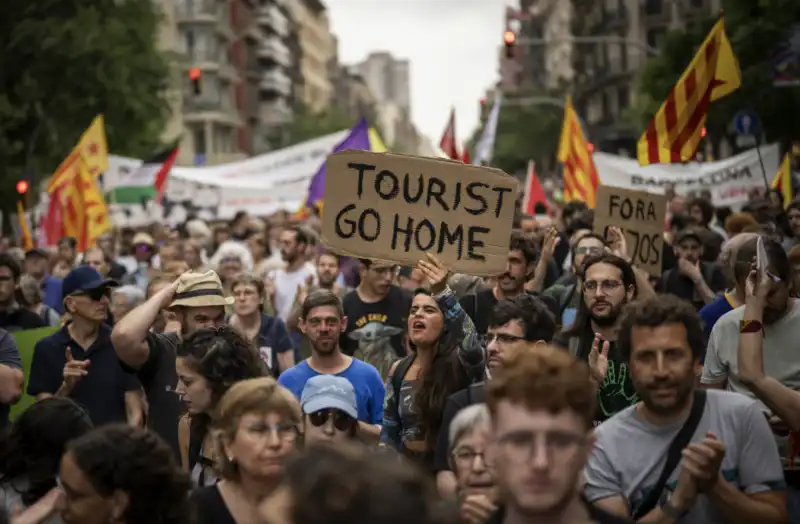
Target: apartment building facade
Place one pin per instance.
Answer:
(388, 78)
(315, 48)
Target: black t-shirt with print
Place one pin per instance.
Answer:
(374, 323)
(617, 391)
(596, 515)
(479, 307)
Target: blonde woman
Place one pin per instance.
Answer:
(257, 424)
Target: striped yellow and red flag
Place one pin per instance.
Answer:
(24, 227)
(83, 208)
(782, 181)
(580, 174)
(675, 132)
(92, 147)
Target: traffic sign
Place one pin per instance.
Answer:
(746, 123)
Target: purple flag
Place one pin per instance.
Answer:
(358, 138)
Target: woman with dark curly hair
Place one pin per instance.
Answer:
(32, 448)
(208, 363)
(123, 475)
(446, 357)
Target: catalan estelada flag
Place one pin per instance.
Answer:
(782, 181)
(675, 132)
(580, 174)
(92, 147)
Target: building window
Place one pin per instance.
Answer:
(655, 36)
(199, 140)
(697, 4)
(189, 42)
(623, 98)
(654, 7)
(605, 105)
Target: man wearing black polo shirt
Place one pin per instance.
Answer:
(14, 317)
(198, 301)
(79, 361)
(515, 324)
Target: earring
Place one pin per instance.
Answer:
(231, 459)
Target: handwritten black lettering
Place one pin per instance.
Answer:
(474, 242)
(419, 233)
(340, 220)
(408, 231)
(629, 209)
(407, 190)
(394, 185)
(457, 198)
(501, 191)
(484, 205)
(454, 237)
(361, 168)
(362, 229)
(436, 189)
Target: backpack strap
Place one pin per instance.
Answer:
(400, 372)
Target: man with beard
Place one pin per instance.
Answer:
(725, 467)
(284, 283)
(322, 321)
(609, 283)
(520, 265)
(197, 301)
(542, 404)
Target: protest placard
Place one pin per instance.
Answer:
(640, 215)
(395, 208)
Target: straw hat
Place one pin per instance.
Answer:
(200, 290)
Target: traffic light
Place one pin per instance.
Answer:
(510, 41)
(483, 101)
(195, 76)
(22, 187)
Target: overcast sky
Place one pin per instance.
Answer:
(452, 45)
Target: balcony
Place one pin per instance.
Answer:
(204, 12)
(275, 112)
(270, 16)
(273, 50)
(276, 82)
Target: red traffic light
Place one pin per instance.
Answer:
(194, 73)
(509, 37)
(22, 187)
(703, 133)
(483, 100)
(590, 146)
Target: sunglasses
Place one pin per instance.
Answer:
(341, 420)
(95, 294)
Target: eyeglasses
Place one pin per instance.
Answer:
(501, 338)
(341, 420)
(522, 445)
(589, 251)
(607, 286)
(464, 458)
(95, 294)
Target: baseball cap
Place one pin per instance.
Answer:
(688, 233)
(329, 392)
(36, 252)
(84, 278)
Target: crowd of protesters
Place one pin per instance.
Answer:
(245, 374)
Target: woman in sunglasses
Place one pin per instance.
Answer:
(330, 411)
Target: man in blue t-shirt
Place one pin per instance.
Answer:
(322, 321)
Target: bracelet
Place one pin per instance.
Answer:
(751, 326)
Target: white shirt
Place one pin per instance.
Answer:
(286, 287)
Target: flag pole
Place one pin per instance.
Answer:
(761, 160)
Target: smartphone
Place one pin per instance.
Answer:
(762, 261)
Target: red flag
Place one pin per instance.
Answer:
(465, 155)
(448, 141)
(534, 194)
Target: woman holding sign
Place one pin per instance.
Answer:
(446, 357)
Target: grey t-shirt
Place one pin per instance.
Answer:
(780, 351)
(629, 454)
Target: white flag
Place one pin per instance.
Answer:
(485, 148)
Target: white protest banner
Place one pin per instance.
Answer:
(396, 208)
(640, 215)
(729, 180)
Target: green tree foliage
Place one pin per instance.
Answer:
(756, 28)
(307, 125)
(525, 131)
(64, 61)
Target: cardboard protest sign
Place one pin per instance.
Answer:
(395, 208)
(26, 341)
(640, 215)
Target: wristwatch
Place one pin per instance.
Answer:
(671, 511)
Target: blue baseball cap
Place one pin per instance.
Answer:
(329, 392)
(84, 278)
